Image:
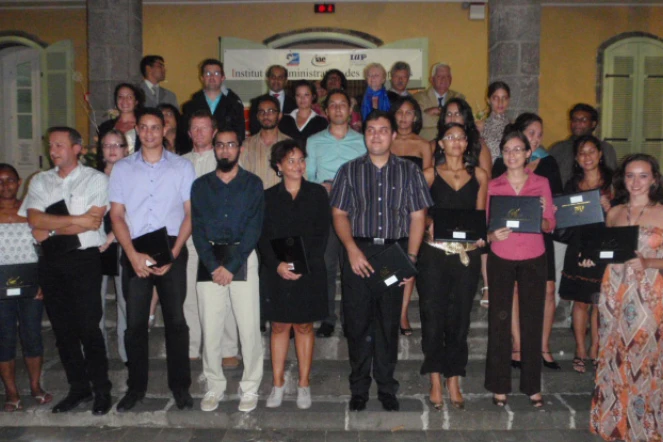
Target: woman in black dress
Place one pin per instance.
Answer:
(293, 208)
(303, 121)
(449, 271)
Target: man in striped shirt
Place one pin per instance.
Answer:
(377, 199)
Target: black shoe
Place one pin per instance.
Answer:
(357, 403)
(72, 401)
(551, 365)
(102, 404)
(325, 330)
(390, 403)
(183, 399)
(129, 400)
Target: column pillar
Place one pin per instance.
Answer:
(115, 47)
(513, 50)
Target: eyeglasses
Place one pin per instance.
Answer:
(452, 138)
(212, 73)
(268, 111)
(113, 145)
(514, 151)
(229, 145)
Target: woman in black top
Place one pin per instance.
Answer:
(303, 121)
(449, 271)
(293, 208)
(543, 165)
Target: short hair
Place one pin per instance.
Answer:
(656, 189)
(149, 60)
(372, 66)
(496, 86)
(10, 168)
(329, 73)
(584, 107)
(268, 98)
(138, 94)
(400, 66)
(74, 135)
(210, 62)
(224, 129)
(524, 120)
(511, 132)
(274, 66)
(470, 156)
(151, 111)
(376, 114)
(400, 101)
(437, 66)
(309, 85)
(281, 149)
(202, 113)
(325, 103)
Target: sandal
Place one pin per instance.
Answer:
(579, 365)
(43, 398)
(10, 406)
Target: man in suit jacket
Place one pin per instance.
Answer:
(153, 69)
(277, 79)
(225, 106)
(432, 99)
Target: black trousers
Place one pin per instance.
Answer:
(371, 328)
(530, 274)
(446, 290)
(71, 284)
(171, 289)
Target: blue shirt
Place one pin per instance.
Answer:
(326, 154)
(152, 194)
(227, 214)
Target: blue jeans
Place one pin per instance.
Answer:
(24, 316)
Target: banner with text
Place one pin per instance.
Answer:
(311, 64)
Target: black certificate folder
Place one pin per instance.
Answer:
(609, 244)
(522, 214)
(391, 266)
(579, 209)
(19, 281)
(156, 245)
(459, 225)
(292, 251)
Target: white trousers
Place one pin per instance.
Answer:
(243, 298)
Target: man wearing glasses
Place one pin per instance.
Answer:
(223, 104)
(257, 147)
(227, 210)
(277, 79)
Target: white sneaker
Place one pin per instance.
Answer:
(248, 402)
(211, 401)
(303, 398)
(275, 397)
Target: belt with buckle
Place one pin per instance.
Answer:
(377, 241)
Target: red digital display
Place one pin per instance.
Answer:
(324, 8)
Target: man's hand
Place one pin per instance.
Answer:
(359, 263)
(434, 111)
(89, 220)
(285, 273)
(40, 235)
(139, 264)
(222, 276)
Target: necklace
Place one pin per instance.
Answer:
(628, 214)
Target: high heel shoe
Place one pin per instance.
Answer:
(499, 402)
(553, 365)
(514, 363)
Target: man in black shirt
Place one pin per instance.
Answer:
(377, 199)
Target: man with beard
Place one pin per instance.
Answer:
(257, 147)
(150, 190)
(227, 208)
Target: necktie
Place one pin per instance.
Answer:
(441, 101)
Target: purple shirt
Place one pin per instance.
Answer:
(153, 194)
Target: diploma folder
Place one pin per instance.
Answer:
(391, 266)
(59, 244)
(609, 244)
(19, 281)
(460, 225)
(522, 214)
(221, 252)
(292, 251)
(579, 209)
(156, 246)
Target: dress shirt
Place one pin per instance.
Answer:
(226, 214)
(326, 154)
(562, 151)
(255, 158)
(153, 194)
(380, 200)
(202, 162)
(81, 190)
(520, 246)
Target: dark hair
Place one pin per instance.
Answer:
(202, 113)
(268, 98)
(473, 136)
(470, 157)
(226, 129)
(325, 79)
(274, 66)
(496, 86)
(579, 173)
(417, 124)
(655, 191)
(325, 102)
(10, 168)
(309, 85)
(210, 62)
(524, 120)
(376, 114)
(281, 149)
(138, 94)
(511, 132)
(74, 136)
(151, 111)
(584, 107)
(149, 60)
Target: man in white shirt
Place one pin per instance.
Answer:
(153, 69)
(277, 80)
(70, 270)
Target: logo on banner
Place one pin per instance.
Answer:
(293, 59)
(358, 58)
(319, 60)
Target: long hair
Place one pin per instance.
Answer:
(470, 159)
(579, 173)
(655, 191)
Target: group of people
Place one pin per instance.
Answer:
(306, 176)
